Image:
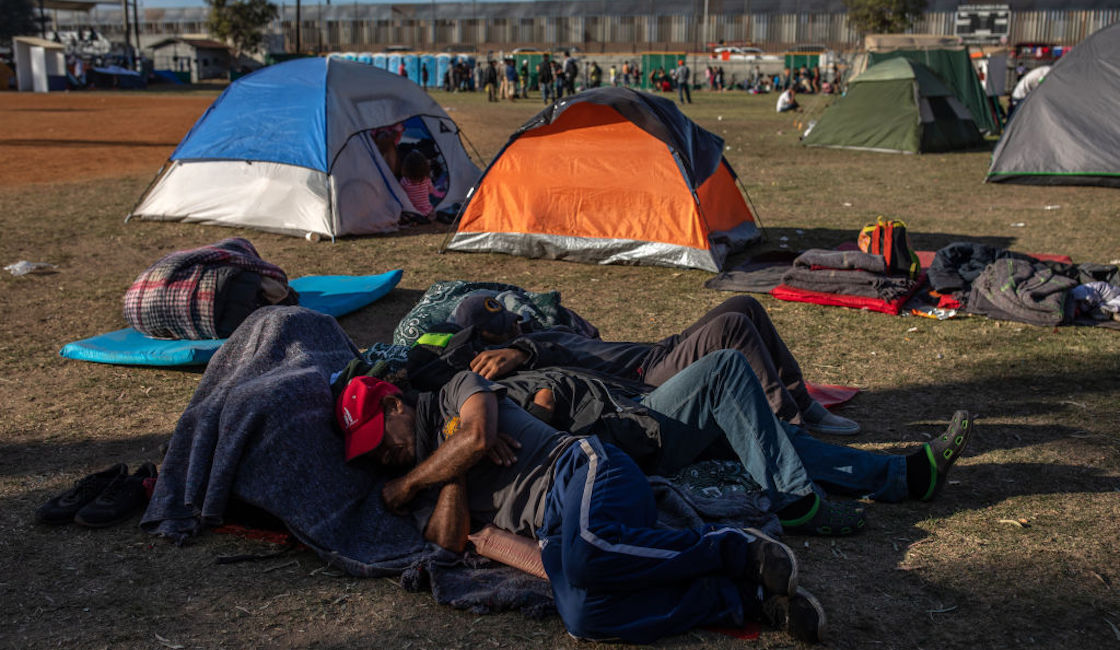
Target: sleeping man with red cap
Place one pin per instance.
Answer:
(471, 454)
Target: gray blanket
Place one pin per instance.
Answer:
(1019, 290)
(259, 428)
(851, 273)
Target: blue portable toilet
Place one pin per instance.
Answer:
(394, 63)
(380, 61)
(350, 56)
(429, 61)
(443, 67)
(366, 58)
(412, 67)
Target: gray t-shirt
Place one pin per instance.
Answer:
(512, 498)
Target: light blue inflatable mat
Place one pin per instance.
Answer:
(335, 295)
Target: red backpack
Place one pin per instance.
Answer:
(889, 239)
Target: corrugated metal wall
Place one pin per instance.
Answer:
(595, 26)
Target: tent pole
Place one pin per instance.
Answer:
(754, 210)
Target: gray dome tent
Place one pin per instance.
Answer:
(1067, 131)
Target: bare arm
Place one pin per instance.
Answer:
(451, 520)
(478, 431)
(494, 364)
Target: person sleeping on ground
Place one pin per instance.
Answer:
(473, 455)
(740, 323)
(716, 408)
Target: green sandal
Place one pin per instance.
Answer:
(945, 450)
(828, 518)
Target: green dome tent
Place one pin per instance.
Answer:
(897, 106)
(954, 67)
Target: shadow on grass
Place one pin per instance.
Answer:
(375, 324)
(48, 456)
(1026, 388)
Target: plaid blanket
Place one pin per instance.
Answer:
(174, 298)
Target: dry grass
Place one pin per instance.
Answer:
(946, 574)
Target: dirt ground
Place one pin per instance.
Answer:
(50, 138)
(1020, 550)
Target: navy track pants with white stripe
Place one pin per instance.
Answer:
(614, 575)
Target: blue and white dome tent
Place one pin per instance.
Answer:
(290, 149)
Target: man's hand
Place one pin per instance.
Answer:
(502, 453)
(493, 364)
(397, 494)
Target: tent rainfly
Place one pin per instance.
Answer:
(1066, 132)
(897, 106)
(290, 149)
(609, 176)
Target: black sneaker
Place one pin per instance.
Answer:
(775, 562)
(124, 497)
(801, 615)
(62, 508)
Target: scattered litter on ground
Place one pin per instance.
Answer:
(168, 644)
(1052, 207)
(912, 329)
(799, 231)
(847, 204)
(1020, 523)
(23, 267)
(1018, 224)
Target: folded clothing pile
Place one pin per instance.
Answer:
(852, 273)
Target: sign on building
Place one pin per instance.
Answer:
(983, 24)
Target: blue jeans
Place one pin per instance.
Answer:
(614, 575)
(719, 396)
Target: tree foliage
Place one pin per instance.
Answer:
(883, 16)
(17, 18)
(240, 22)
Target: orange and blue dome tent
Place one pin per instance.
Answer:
(609, 176)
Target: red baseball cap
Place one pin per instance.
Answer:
(360, 415)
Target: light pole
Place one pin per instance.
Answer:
(704, 45)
